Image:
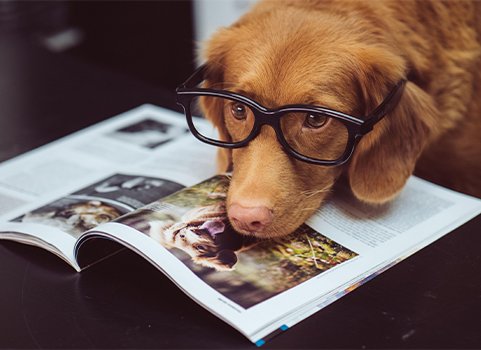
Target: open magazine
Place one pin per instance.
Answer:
(140, 181)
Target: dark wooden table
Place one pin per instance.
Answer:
(430, 300)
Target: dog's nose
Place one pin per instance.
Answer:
(250, 219)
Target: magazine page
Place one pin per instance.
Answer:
(264, 287)
(51, 195)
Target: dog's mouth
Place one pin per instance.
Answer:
(267, 211)
(259, 230)
(245, 232)
(247, 229)
(265, 233)
(278, 224)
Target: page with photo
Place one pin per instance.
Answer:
(51, 195)
(192, 224)
(105, 148)
(148, 133)
(70, 216)
(223, 270)
(261, 287)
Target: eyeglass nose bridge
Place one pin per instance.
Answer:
(272, 119)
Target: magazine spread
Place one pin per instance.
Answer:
(139, 181)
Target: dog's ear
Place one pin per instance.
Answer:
(213, 109)
(385, 158)
(214, 227)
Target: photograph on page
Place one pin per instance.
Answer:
(192, 224)
(148, 133)
(100, 202)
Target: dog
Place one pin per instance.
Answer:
(347, 55)
(75, 218)
(205, 235)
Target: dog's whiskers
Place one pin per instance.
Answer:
(311, 193)
(308, 209)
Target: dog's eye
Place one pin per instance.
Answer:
(238, 110)
(104, 217)
(200, 248)
(315, 121)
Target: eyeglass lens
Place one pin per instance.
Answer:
(313, 135)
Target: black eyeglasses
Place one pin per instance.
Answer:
(312, 134)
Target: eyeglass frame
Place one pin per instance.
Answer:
(355, 126)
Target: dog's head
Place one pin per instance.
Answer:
(280, 55)
(89, 214)
(204, 235)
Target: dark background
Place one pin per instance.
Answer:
(150, 41)
(131, 53)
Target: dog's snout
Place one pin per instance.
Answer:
(250, 219)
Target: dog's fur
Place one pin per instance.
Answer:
(347, 56)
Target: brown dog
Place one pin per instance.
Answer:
(347, 56)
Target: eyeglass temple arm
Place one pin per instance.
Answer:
(389, 103)
(196, 78)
